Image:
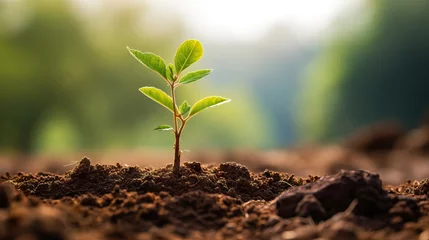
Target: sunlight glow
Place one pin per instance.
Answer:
(249, 20)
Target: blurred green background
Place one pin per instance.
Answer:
(308, 71)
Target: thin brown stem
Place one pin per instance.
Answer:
(182, 126)
(176, 166)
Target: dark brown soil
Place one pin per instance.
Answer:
(231, 179)
(223, 201)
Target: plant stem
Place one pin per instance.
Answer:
(176, 166)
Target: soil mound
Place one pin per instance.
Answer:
(231, 179)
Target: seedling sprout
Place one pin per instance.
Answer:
(189, 52)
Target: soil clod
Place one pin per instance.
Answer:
(234, 170)
(332, 194)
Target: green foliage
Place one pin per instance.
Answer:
(163, 128)
(73, 92)
(188, 53)
(194, 76)
(184, 108)
(170, 72)
(207, 102)
(158, 96)
(376, 73)
(151, 61)
(81, 73)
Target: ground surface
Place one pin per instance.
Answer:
(224, 201)
(227, 200)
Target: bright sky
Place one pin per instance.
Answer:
(249, 20)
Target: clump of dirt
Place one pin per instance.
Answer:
(357, 198)
(231, 179)
(333, 194)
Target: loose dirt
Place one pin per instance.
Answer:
(224, 201)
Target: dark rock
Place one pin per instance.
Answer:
(335, 193)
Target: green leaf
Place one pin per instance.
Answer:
(170, 72)
(188, 53)
(164, 128)
(206, 103)
(158, 96)
(151, 61)
(194, 76)
(184, 108)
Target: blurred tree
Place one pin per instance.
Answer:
(371, 72)
(54, 65)
(67, 81)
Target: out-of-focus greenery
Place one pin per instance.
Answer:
(372, 71)
(271, 70)
(67, 82)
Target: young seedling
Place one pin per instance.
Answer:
(189, 52)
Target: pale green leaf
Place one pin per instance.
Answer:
(184, 108)
(206, 103)
(170, 72)
(158, 96)
(164, 128)
(188, 53)
(194, 76)
(151, 61)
